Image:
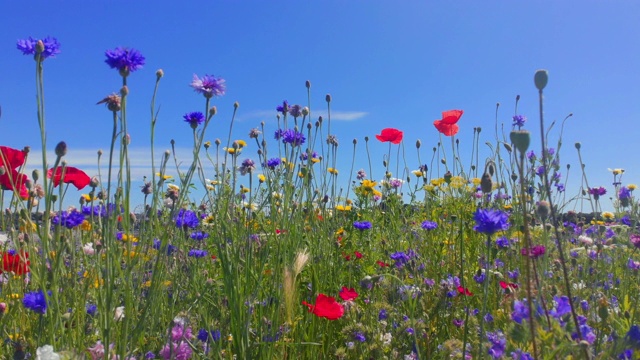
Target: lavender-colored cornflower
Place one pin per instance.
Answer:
(514, 274)
(247, 167)
(194, 118)
(92, 309)
(488, 318)
(395, 183)
(359, 336)
(429, 225)
(293, 137)
(597, 192)
(531, 155)
(521, 355)
(149, 355)
(584, 304)
(284, 108)
(520, 311)
(196, 253)
(253, 133)
(199, 235)
(209, 85)
(29, 47)
(181, 351)
(502, 242)
(625, 220)
(479, 277)
(563, 307)
(170, 248)
(519, 120)
(124, 59)
(362, 225)
(560, 187)
(489, 221)
(400, 259)
(458, 322)
(186, 218)
(295, 111)
(633, 265)
(273, 163)
(361, 174)
(498, 344)
(68, 219)
(35, 301)
(585, 330)
(382, 315)
(305, 156)
(540, 170)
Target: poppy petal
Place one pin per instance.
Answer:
(390, 135)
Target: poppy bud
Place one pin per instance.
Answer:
(366, 139)
(486, 184)
(305, 111)
(521, 139)
(61, 149)
(540, 79)
(517, 97)
(94, 182)
(514, 177)
(328, 98)
(236, 105)
(447, 177)
(320, 120)
(307, 84)
(159, 73)
(443, 161)
(26, 149)
(578, 145)
(543, 209)
(508, 147)
(124, 91)
(355, 141)
(29, 184)
(479, 129)
(309, 126)
(217, 142)
(35, 175)
(418, 144)
(213, 110)
(100, 153)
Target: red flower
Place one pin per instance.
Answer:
(17, 263)
(326, 307)
(447, 125)
(390, 135)
(72, 175)
(358, 255)
(509, 286)
(382, 263)
(347, 257)
(348, 294)
(464, 291)
(11, 159)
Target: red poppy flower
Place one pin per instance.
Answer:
(72, 175)
(464, 291)
(390, 135)
(348, 294)
(358, 255)
(326, 307)
(12, 180)
(17, 263)
(382, 263)
(447, 125)
(509, 286)
(347, 257)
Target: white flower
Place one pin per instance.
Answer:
(585, 240)
(119, 313)
(386, 339)
(88, 249)
(46, 353)
(3, 239)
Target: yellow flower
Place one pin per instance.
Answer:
(230, 150)
(261, 178)
(14, 296)
(368, 184)
(632, 187)
(343, 208)
(208, 221)
(616, 171)
(85, 226)
(88, 197)
(164, 177)
(429, 188)
(417, 173)
(340, 231)
(207, 144)
(241, 143)
(244, 190)
(315, 160)
(475, 181)
(300, 174)
(173, 187)
(607, 215)
(437, 182)
(507, 207)
(333, 171)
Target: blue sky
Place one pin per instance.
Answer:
(386, 64)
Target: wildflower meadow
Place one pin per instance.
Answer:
(259, 248)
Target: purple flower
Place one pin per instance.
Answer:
(68, 219)
(197, 253)
(362, 225)
(498, 344)
(597, 192)
(521, 355)
(92, 309)
(625, 220)
(458, 322)
(359, 336)
(199, 235)
(534, 252)
(429, 225)
(624, 193)
(382, 315)
(488, 221)
(633, 336)
(563, 307)
(284, 108)
(179, 351)
(295, 111)
(194, 118)
(186, 218)
(292, 137)
(502, 242)
(35, 301)
(209, 85)
(519, 120)
(540, 170)
(361, 174)
(247, 167)
(531, 155)
(273, 163)
(124, 59)
(520, 311)
(633, 265)
(28, 47)
(400, 259)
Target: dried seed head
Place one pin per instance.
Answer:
(541, 78)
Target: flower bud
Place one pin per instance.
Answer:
(305, 111)
(508, 147)
(213, 110)
(486, 184)
(124, 91)
(328, 98)
(61, 149)
(94, 182)
(236, 105)
(2, 170)
(540, 79)
(543, 209)
(26, 149)
(159, 73)
(418, 144)
(578, 145)
(307, 84)
(35, 175)
(521, 139)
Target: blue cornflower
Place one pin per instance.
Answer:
(199, 235)
(284, 108)
(382, 315)
(35, 301)
(633, 336)
(209, 85)
(521, 355)
(28, 47)
(150, 355)
(92, 309)
(293, 137)
(563, 307)
(400, 259)
(625, 220)
(502, 242)
(273, 163)
(520, 311)
(186, 218)
(429, 225)
(513, 274)
(124, 59)
(519, 120)
(157, 244)
(479, 277)
(295, 110)
(194, 118)
(359, 336)
(197, 253)
(362, 225)
(626, 355)
(540, 170)
(488, 318)
(498, 344)
(488, 221)
(68, 219)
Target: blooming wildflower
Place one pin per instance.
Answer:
(502, 242)
(197, 253)
(16, 263)
(519, 120)
(72, 175)
(626, 355)
(479, 276)
(540, 170)
(247, 167)
(118, 314)
(295, 110)
(362, 225)
(448, 124)
(464, 291)
(178, 351)
(284, 108)
(597, 192)
(382, 315)
(273, 163)
(608, 215)
(520, 311)
(584, 305)
(92, 309)
(359, 336)
(194, 118)
(400, 259)
(112, 102)
(391, 135)
(326, 307)
(69, 219)
(488, 318)
(46, 353)
(124, 59)
(361, 174)
(633, 265)
(585, 330)
(429, 225)
(458, 322)
(35, 301)
(633, 336)
(149, 355)
(489, 221)
(521, 355)
(209, 85)
(534, 252)
(199, 235)
(186, 218)
(563, 307)
(498, 344)
(11, 179)
(28, 47)
(293, 137)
